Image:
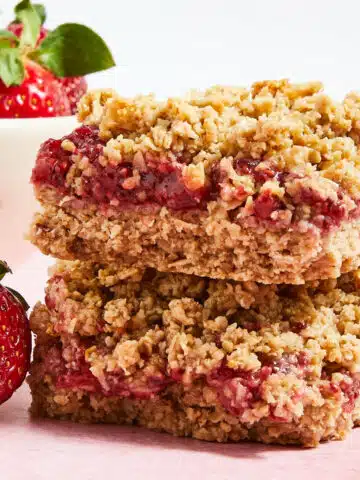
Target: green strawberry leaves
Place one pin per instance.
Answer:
(11, 66)
(8, 38)
(27, 15)
(40, 10)
(73, 50)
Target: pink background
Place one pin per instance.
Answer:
(44, 450)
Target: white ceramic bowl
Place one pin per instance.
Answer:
(19, 142)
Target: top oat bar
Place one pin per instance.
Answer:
(260, 184)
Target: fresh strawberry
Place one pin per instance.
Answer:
(41, 73)
(15, 340)
(75, 88)
(39, 95)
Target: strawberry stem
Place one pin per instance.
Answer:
(4, 269)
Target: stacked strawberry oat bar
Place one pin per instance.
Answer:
(208, 283)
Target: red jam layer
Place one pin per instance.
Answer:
(160, 182)
(76, 374)
(237, 390)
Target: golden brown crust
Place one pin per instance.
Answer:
(200, 243)
(175, 414)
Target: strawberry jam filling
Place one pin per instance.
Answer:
(159, 181)
(69, 369)
(349, 387)
(237, 390)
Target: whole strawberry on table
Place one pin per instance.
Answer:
(15, 339)
(41, 71)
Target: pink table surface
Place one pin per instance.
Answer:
(44, 449)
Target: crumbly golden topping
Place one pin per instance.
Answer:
(281, 355)
(297, 125)
(194, 323)
(292, 128)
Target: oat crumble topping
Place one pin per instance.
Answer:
(278, 153)
(294, 127)
(255, 353)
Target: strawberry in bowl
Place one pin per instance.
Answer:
(42, 77)
(15, 339)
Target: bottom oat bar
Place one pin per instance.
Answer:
(215, 360)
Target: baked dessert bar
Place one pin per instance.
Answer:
(260, 184)
(213, 359)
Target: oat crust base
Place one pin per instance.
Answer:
(173, 413)
(205, 244)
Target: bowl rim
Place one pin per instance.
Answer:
(15, 123)
(31, 119)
